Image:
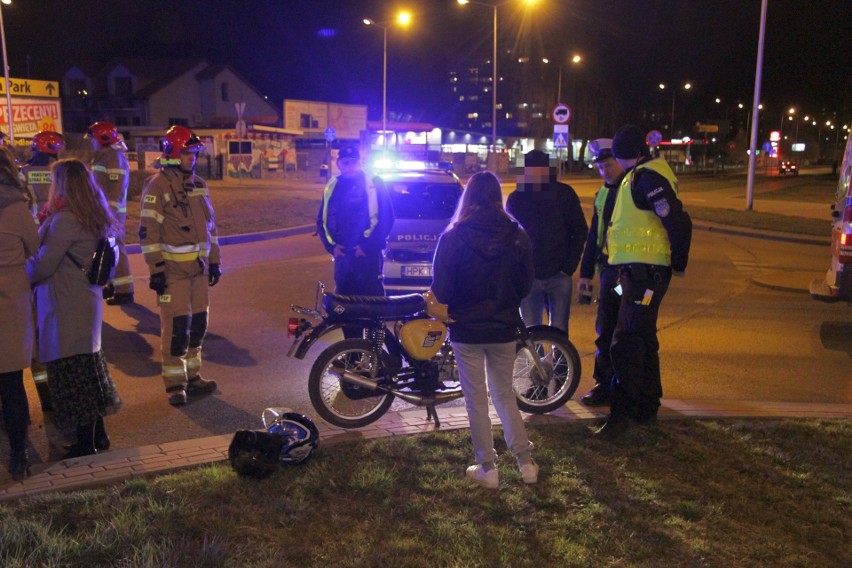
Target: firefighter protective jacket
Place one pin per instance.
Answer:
(112, 173)
(177, 224)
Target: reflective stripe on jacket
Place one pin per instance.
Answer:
(637, 235)
(112, 172)
(372, 206)
(177, 223)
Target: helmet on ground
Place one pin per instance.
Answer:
(254, 453)
(104, 132)
(180, 139)
(300, 437)
(47, 142)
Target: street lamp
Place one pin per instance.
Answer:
(493, 7)
(576, 59)
(686, 87)
(6, 76)
(404, 18)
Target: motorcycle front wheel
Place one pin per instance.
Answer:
(539, 393)
(342, 403)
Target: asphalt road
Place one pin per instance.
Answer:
(722, 337)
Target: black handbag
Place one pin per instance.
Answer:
(104, 261)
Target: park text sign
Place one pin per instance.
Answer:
(35, 107)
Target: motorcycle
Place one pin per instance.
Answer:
(404, 353)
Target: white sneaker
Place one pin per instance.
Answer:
(488, 479)
(529, 472)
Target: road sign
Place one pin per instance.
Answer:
(330, 134)
(561, 114)
(560, 136)
(241, 108)
(707, 127)
(30, 88)
(654, 138)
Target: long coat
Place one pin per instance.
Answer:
(70, 310)
(18, 240)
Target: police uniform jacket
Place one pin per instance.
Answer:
(344, 216)
(593, 254)
(652, 192)
(177, 230)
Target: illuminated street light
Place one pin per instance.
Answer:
(686, 87)
(6, 76)
(403, 19)
(493, 7)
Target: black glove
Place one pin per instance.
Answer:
(157, 283)
(213, 274)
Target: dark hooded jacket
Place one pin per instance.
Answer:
(553, 218)
(482, 270)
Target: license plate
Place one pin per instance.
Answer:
(417, 271)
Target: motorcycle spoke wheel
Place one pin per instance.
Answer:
(341, 403)
(539, 393)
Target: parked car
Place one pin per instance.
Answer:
(424, 200)
(788, 167)
(837, 284)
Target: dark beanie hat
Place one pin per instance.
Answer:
(629, 143)
(536, 159)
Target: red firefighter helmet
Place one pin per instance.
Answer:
(104, 132)
(180, 139)
(47, 142)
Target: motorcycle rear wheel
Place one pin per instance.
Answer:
(540, 395)
(344, 404)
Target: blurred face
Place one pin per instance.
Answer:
(536, 174)
(609, 170)
(348, 166)
(187, 160)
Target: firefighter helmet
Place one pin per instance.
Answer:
(104, 132)
(47, 142)
(180, 139)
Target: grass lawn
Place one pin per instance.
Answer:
(683, 493)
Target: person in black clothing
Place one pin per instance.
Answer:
(482, 269)
(648, 240)
(353, 222)
(551, 215)
(595, 259)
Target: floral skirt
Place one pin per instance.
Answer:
(81, 389)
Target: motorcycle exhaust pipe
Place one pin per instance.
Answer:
(415, 399)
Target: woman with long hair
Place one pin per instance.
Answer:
(18, 241)
(482, 269)
(70, 309)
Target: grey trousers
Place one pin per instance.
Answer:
(492, 363)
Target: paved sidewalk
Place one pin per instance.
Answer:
(118, 465)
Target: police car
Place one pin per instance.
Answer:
(424, 199)
(837, 284)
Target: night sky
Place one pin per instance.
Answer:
(320, 49)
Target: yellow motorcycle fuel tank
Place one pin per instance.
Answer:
(422, 338)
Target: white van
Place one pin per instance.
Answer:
(837, 285)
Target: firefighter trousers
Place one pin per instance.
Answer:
(122, 280)
(183, 324)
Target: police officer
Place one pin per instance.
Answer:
(112, 172)
(648, 240)
(179, 242)
(595, 259)
(37, 177)
(353, 222)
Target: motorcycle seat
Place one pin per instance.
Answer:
(381, 307)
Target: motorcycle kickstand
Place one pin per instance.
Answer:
(432, 414)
